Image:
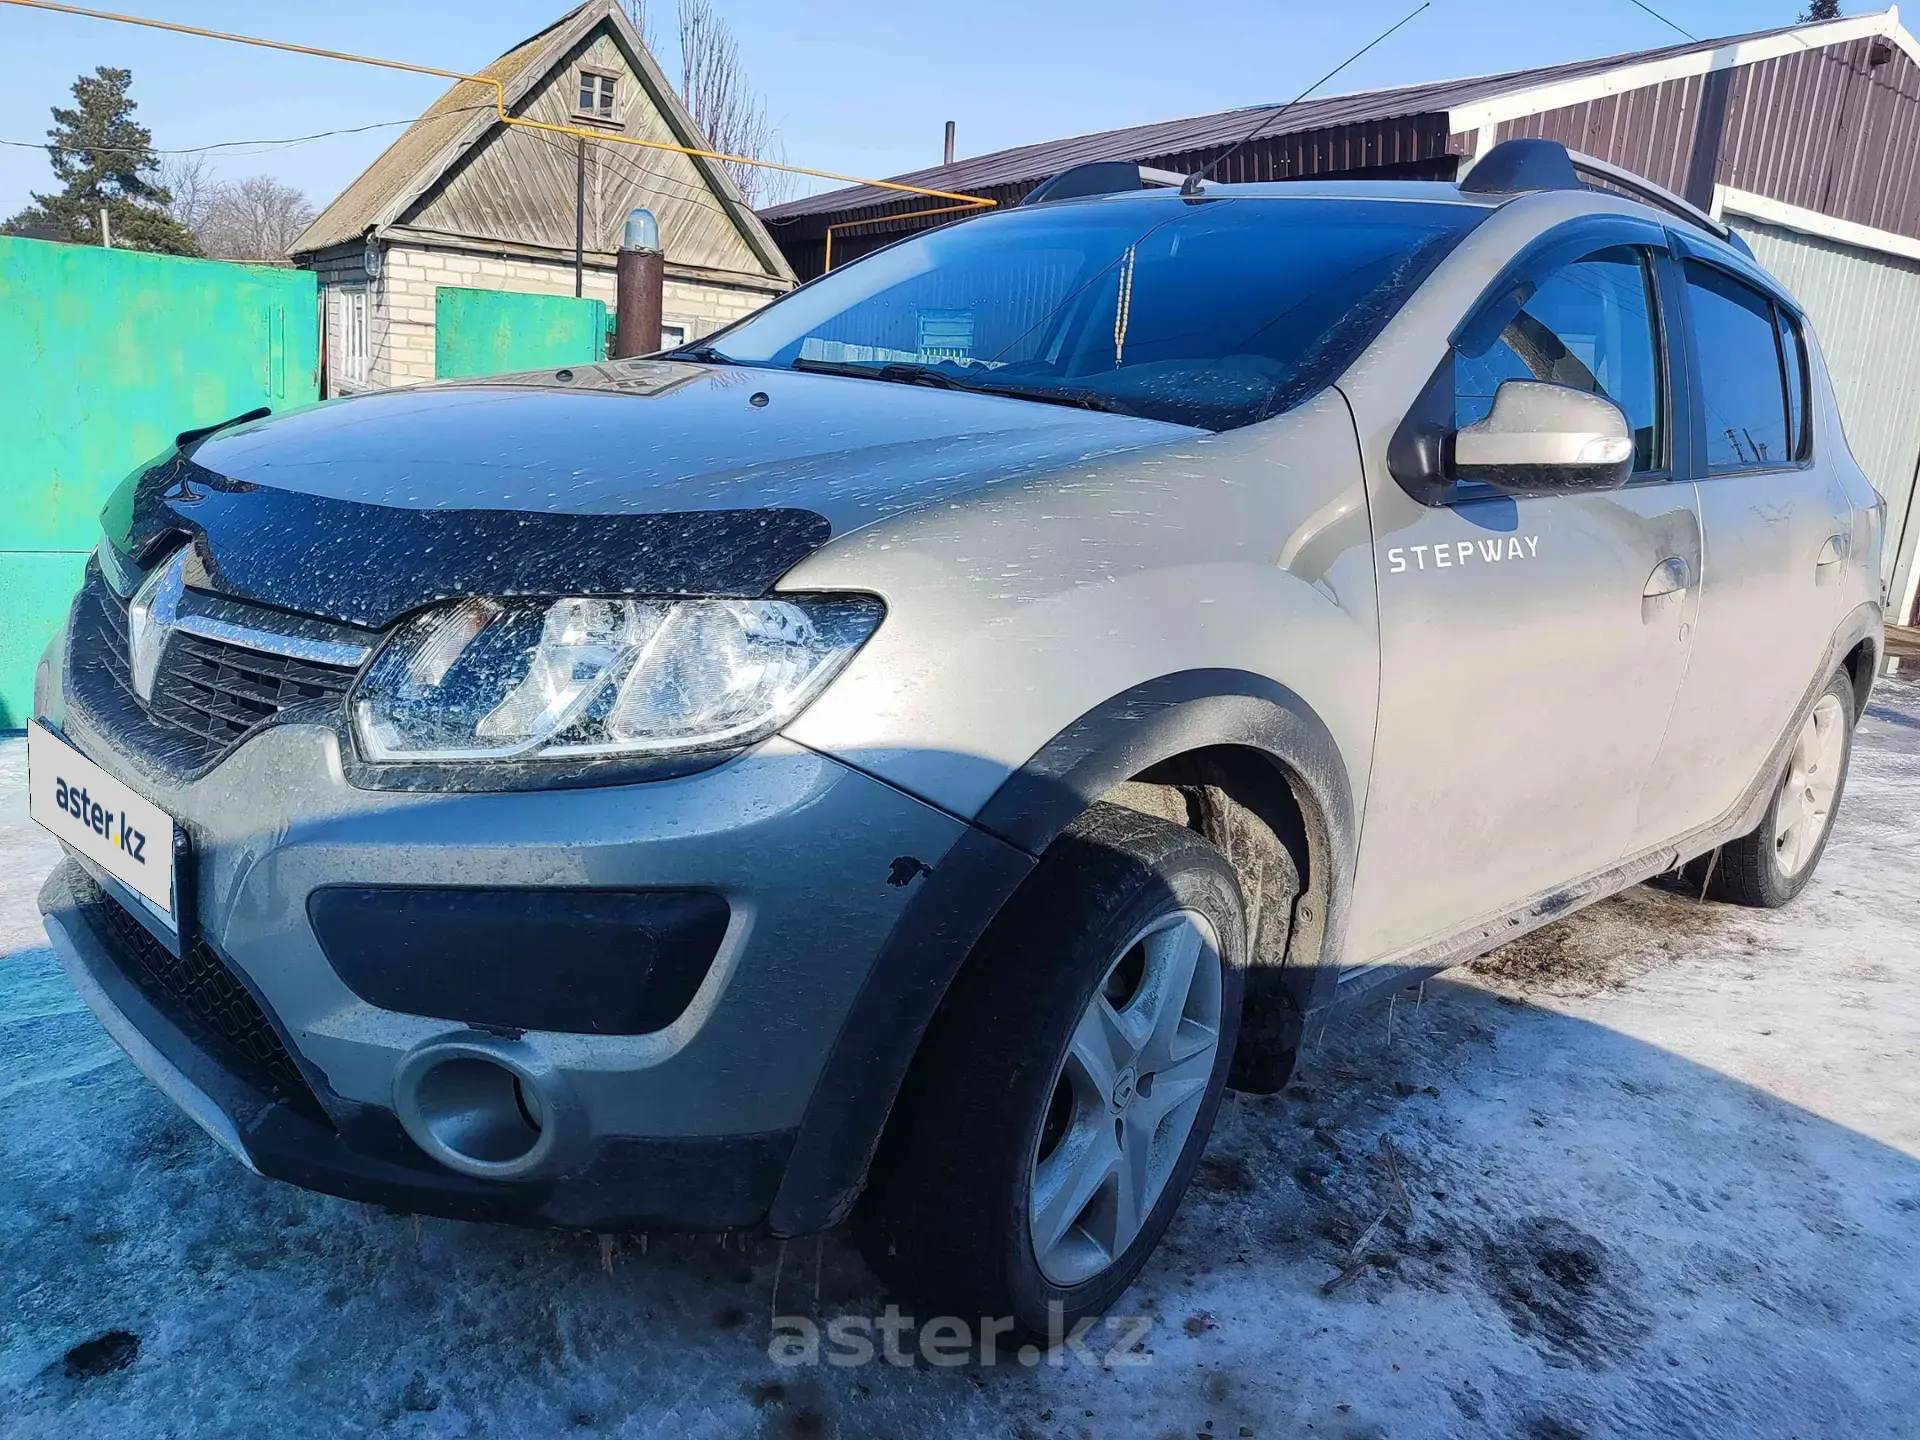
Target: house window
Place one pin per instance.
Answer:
(353, 336)
(596, 96)
(672, 337)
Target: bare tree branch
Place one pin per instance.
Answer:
(189, 180)
(642, 20)
(255, 219)
(723, 105)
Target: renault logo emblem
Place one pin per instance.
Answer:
(181, 492)
(150, 619)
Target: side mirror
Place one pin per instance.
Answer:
(1542, 439)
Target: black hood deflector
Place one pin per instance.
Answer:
(368, 564)
(630, 477)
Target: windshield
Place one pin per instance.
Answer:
(1215, 314)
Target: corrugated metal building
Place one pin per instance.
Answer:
(1806, 140)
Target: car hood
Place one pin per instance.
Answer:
(640, 476)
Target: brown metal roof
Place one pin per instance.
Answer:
(1165, 139)
(1833, 129)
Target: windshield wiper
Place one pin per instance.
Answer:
(894, 371)
(1080, 399)
(702, 354)
(900, 373)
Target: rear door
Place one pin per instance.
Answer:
(1531, 648)
(1777, 523)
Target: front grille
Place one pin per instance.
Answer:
(207, 697)
(223, 693)
(203, 997)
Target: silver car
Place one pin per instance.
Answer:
(904, 757)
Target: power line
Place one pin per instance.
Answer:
(499, 97)
(692, 194)
(1666, 22)
(646, 177)
(1192, 185)
(265, 145)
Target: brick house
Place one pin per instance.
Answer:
(461, 200)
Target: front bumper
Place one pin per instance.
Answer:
(360, 1152)
(686, 1126)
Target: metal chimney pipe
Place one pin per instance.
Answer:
(949, 159)
(640, 273)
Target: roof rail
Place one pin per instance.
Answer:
(1638, 187)
(1099, 177)
(1514, 166)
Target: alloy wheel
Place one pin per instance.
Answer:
(1125, 1100)
(1805, 805)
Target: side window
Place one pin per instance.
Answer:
(1592, 325)
(1793, 351)
(1743, 384)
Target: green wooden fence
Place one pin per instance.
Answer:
(110, 354)
(493, 332)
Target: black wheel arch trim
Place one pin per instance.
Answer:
(1155, 721)
(1863, 624)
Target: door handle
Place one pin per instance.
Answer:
(1669, 577)
(1833, 552)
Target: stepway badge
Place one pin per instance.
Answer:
(127, 836)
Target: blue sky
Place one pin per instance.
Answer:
(855, 87)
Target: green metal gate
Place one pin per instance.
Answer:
(495, 332)
(112, 353)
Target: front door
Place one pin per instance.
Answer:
(1531, 648)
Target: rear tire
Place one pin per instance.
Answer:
(1769, 867)
(1065, 1091)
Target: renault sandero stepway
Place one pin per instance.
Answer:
(903, 757)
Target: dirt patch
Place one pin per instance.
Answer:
(1562, 1287)
(1612, 943)
(1229, 1174)
(102, 1355)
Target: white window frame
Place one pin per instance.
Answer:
(355, 352)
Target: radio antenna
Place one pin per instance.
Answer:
(1193, 182)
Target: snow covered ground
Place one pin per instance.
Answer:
(1653, 1171)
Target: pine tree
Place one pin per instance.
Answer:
(105, 161)
(1821, 10)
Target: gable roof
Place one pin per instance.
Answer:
(1466, 104)
(436, 144)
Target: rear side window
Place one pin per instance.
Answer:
(1743, 379)
(1592, 326)
(1793, 351)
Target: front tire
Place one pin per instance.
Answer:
(1065, 1091)
(1769, 867)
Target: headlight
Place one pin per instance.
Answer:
(581, 679)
